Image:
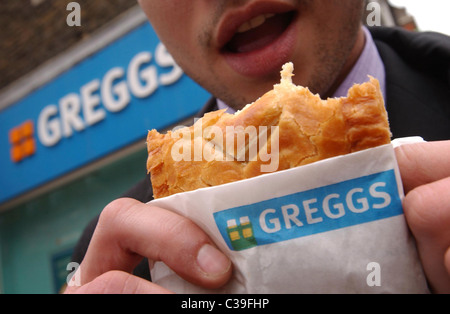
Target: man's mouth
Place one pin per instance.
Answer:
(258, 32)
(258, 40)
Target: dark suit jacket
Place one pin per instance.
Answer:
(417, 100)
(417, 82)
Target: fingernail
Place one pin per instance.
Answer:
(212, 261)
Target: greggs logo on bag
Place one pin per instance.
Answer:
(318, 210)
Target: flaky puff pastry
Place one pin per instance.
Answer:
(289, 124)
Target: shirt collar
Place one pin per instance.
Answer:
(368, 63)
(221, 105)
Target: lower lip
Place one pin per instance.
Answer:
(266, 60)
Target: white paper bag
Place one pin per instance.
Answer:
(334, 226)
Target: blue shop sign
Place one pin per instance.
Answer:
(104, 103)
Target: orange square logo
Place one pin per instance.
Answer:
(29, 146)
(22, 141)
(14, 136)
(28, 129)
(16, 153)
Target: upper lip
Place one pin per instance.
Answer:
(234, 18)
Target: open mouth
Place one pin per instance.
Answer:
(256, 45)
(258, 32)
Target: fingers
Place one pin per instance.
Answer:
(128, 230)
(117, 282)
(447, 261)
(427, 211)
(423, 163)
(425, 172)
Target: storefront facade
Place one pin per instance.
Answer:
(73, 137)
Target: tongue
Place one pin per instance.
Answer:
(260, 36)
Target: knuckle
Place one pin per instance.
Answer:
(402, 153)
(413, 208)
(115, 212)
(180, 239)
(183, 229)
(424, 211)
(409, 167)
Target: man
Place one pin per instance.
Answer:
(235, 49)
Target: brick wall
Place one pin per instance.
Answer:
(33, 31)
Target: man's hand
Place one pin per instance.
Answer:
(425, 171)
(128, 230)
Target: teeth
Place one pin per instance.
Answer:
(253, 23)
